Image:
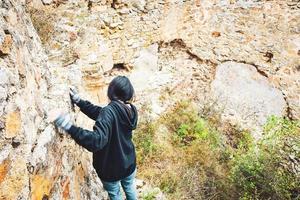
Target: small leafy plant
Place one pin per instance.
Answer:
(267, 170)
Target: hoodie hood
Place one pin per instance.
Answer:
(128, 115)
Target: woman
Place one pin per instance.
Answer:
(114, 157)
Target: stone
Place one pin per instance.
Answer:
(246, 96)
(39, 155)
(47, 2)
(171, 23)
(66, 189)
(6, 44)
(216, 34)
(12, 17)
(4, 79)
(16, 180)
(4, 153)
(93, 50)
(124, 11)
(36, 4)
(3, 94)
(4, 167)
(139, 4)
(144, 65)
(40, 187)
(148, 59)
(144, 189)
(12, 124)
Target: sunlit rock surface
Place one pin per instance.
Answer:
(92, 37)
(245, 96)
(36, 162)
(171, 50)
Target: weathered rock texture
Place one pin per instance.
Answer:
(245, 94)
(170, 49)
(92, 37)
(36, 162)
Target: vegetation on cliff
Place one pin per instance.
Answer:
(193, 156)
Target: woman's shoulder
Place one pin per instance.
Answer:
(106, 112)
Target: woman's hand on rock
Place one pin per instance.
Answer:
(74, 95)
(63, 121)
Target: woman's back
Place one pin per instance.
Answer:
(117, 159)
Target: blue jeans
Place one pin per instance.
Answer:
(128, 185)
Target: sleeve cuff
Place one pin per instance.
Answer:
(72, 130)
(80, 103)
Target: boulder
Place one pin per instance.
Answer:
(245, 96)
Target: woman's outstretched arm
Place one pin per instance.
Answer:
(93, 140)
(89, 109)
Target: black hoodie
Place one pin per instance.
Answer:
(111, 139)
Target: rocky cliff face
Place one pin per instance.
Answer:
(242, 55)
(179, 44)
(36, 161)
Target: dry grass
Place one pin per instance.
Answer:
(188, 156)
(183, 166)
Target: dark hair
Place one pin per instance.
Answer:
(120, 88)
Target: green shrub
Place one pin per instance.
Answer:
(198, 129)
(201, 160)
(150, 195)
(266, 170)
(186, 122)
(144, 139)
(182, 113)
(201, 172)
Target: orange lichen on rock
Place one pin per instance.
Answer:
(40, 188)
(13, 124)
(6, 45)
(66, 189)
(15, 181)
(4, 168)
(216, 34)
(78, 180)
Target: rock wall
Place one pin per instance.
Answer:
(171, 50)
(171, 45)
(36, 161)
